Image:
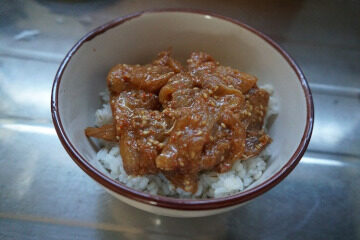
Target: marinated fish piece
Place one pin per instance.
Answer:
(141, 129)
(236, 79)
(212, 74)
(179, 81)
(201, 62)
(255, 108)
(150, 77)
(184, 148)
(164, 59)
(143, 140)
(256, 141)
(227, 138)
(122, 105)
(105, 132)
(181, 156)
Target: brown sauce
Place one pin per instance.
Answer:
(181, 121)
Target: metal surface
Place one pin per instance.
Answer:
(44, 195)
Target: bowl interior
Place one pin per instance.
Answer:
(139, 39)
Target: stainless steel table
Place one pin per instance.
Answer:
(44, 195)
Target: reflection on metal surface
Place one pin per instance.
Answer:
(30, 96)
(157, 221)
(329, 132)
(26, 177)
(335, 90)
(317, 161)
(29, 128)
(337, 121)
(69, 222)
(37, 54)
(26, 34)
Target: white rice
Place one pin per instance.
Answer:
(211, 184)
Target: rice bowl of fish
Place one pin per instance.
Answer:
(186, 113)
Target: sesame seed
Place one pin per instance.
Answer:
(117, 137)
(210, 91)
(146, 132)
(205, 95)
(117, 117)
(223, 125)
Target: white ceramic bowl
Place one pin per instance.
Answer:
(137, 39)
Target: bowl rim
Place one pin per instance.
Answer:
(168, 202)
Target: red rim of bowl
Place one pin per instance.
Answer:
(167, 202)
